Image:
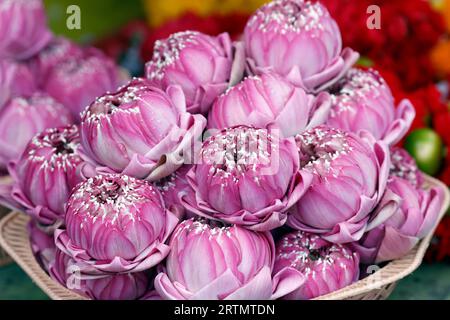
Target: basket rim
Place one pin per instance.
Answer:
(390, 273)
(26, 260)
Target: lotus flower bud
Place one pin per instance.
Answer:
(46, 173)
(76, 82)
(269, 101)
(146, 130)
(210, 261)
(23, 28)
(416, 214)
(299, 40)
(363, 101)
(349, 178)
(22, 118)
(115, 223)
(57, 51)
(404, 166)
(15, 80)
(129, 286)
(327, 267)
(176, 60)
(42, 244)
(175, 187)
(247, 177)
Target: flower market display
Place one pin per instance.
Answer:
(266, 166)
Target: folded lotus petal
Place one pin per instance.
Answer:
(346, 232)
(258, 288)
(349, 175)
(16, 80)
(298, 40)
(405, 115)
(328, 78)
(95, 210)
(146, 260)
(166, 289)
(248, 177)
(323, 267)
(218, 288)
(239, 65)
(120, 134)
(175, 62)
(211, 261)
(286, 281)
(93, 72)
(385, 209)
(46, 173)
(394, 245)
(368, 246)
(22, 118)
(42, 244)
(382, 154)
(23, 28)
(269, 101)
(433, 206)
(325, 79)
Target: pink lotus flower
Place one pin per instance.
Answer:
(46, 173)
(416, 215)
(76, 82)
(212, 262)
(327, 267)
(146, 130)
(115, 223)
(129, 286)
(15, 80)
(300, 41)
(363, 101)
(174, 188)
(57, 51)
(42, 244)
(176, 60)
(247, 177)
(22, 118)
(23, 28)
(269, 101)
(349, 178)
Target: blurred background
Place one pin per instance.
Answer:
(411, 51)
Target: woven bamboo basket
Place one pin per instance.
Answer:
(4, 258)
(377, 286)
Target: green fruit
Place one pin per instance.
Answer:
(426, 146)
(365, 62)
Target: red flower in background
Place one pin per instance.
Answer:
(440, 246)
(441, 123)
(114, 45)
(445, 175)
(407, 34)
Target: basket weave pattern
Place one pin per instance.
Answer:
(4, 258)
(377, 286)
